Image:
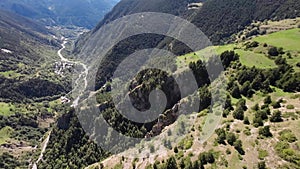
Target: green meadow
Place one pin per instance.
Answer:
(247, 57)
(250, 59)
(288, 39)
(6, 109)
(5, 133)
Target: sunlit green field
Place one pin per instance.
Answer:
(247, 58)
(6, 109)
(5, 133)
(289, 39)
(250, 59)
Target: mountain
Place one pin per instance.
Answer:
(218, 19)
(260, 116)
(83, 13)
(28, 83)
(263, 80)
(25, 47)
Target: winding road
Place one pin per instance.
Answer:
(77, 85)
(82, 75)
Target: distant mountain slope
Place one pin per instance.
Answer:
(84, 13)
(218, 19)
(25, 47)
(127, 7)
(14, 29)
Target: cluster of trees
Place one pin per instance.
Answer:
(249, 80)
(200, 73)
(204, 158)
(9, 161)
(264, 113)
(70, 147)
(240, 108)
(25, 91)
(25, 127)
(231, 139)
(239, 15)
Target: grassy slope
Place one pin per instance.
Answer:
(256, 58)
(289, 39)
(5, 133)
(247, 58)
(6, 109)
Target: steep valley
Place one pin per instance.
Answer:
(54, 111)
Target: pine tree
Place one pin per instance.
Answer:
(171, 163)
(239, 113)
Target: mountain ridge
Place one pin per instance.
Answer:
(54, 12)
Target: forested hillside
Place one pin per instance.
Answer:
(29, 87)
(27, 47)
(260, 121)
(218, 19)
(42, 126)
(83, 13)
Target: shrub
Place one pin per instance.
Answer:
(276, 105)
(287, 135)
(239, 113)
(284, 151)
(273, 51)
(268, 100)
(263, 114)
(231, 138)
(171, 163)
(265, 131)
(257, 121)
(246, 120)
(290, 106)
(261, 165)
(175, 149)
(280, 50)
(239, 146)
(186, 143)
(262, 154)
(152, 148)
(235, 92)
(255, 107)
(280, 61)
(206, 157)
(252, 45)
(276, 116)
(247, 132)
(221, 136)
(226, 113)
(228, 151)
(289, 55)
